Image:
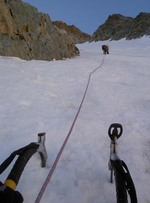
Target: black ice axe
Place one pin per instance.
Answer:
(24, 154)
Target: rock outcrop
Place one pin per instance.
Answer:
(29, 34)
(140, 26)
(117, 27)
(75, 34)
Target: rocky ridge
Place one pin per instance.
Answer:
(75, 34)
(118, 26)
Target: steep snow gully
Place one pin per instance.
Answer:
(44, 96)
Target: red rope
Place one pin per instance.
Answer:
(65, 142)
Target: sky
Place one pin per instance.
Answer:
(44, 96)
(88, 15)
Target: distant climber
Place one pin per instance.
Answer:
(105, 49)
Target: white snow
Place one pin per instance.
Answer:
(44, 96)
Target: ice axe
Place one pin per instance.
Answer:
(24, 154)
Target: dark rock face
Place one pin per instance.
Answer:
(28, 34)
(117, 27)
(140, 26)
(75, 34)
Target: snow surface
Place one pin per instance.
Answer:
(44, 96)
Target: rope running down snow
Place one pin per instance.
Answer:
(40, 194)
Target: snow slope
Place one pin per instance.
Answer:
(44, 96)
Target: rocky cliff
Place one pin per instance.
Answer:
(117, 27)
(75, 34)
(28, 34)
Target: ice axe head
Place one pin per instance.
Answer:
(42, 149)
(115, 131)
